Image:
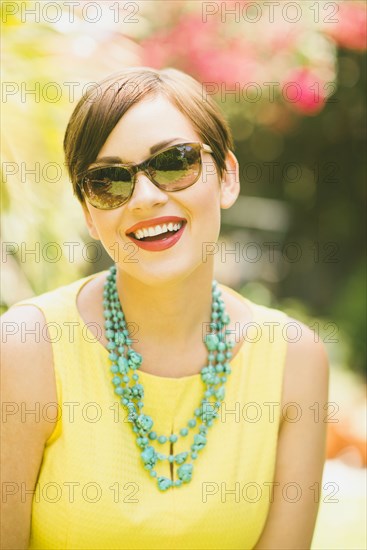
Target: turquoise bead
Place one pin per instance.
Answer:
(200, 441)
(135, 357)
(164, 483)
(184, 431)
(194, 455)
(118, 390)
(181, 457)
(152, 435)
(219, 394)
(144, 422)
(162, 439)
(171, 458)
(142, 441)
(208, 375)
(116, 380)
(192, 423)
(123, 365)
(178, 482)
(149, 456)
(211, 341)
(114, 369)
(184, 472)
(173, 438)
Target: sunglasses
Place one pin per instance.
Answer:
(172, 169)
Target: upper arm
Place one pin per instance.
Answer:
(27, 385)
(301, 447)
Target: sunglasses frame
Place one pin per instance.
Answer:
(143, 166)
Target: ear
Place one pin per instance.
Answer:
(89, 221)
(230, 185)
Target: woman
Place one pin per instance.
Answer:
(186, 412)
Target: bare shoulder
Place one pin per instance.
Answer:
(27, 371)
(306, 370)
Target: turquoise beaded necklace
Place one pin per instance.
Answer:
(126, 361)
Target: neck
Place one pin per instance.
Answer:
(170, 313)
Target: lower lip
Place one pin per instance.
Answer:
(162, 244)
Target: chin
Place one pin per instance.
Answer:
(164, 273)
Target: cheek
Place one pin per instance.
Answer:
(206, 211)
(106, 223)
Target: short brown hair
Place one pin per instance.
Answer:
(100, 109)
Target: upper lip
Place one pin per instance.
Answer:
(154, 221)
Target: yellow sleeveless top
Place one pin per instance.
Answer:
(93, 492)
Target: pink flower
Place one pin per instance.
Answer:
(349, 30)
(199, 49)
(303, 91)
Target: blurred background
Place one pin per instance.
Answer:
(291, 80)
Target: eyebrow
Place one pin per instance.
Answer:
(152, 150)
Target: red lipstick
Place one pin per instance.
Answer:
(158, 242)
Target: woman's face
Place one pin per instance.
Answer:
(146, 124)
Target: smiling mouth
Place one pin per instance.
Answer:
(164, 232)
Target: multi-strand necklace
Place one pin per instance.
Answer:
(126, 361)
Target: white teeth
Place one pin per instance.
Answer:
(156, 230)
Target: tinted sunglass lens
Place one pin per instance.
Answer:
(177, 167)
(108, 187)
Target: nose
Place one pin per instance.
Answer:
(146, 194)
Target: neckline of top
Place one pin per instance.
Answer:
(148, 375)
